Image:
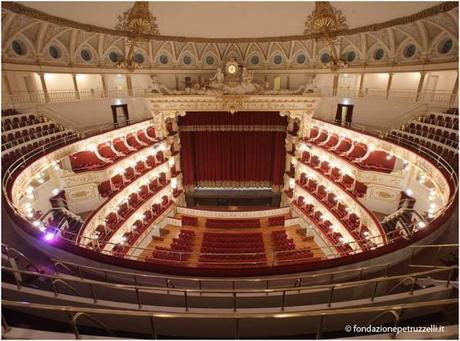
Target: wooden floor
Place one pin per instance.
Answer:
(173, 232)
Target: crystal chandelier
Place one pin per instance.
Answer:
(138, 23)
(324, 23)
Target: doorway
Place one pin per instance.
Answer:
(120, 115)
(344, 114)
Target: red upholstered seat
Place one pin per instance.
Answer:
(85, 160)
(106, 151)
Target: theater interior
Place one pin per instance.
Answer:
(219, 170)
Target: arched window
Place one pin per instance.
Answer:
(19, 47)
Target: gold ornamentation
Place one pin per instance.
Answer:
(139, 23)
(324, 23)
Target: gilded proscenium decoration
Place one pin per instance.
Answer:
(139, 23)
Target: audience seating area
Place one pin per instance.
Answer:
(276, 221)
(229, 223)
(178, 252)
(285, 250)
(191, 221)
(352, 151)
(334, 237)
(115, 219)
(232, 250)
(65, 221)
(339, 209)
(358, 189)
(435, 131)
(110, 152)
(22, 133)
(117, 182)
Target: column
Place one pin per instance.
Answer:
(361, 84)
(75, 85)
(335, 84)
(420, 86)
(104, 85)
(45, 89)
(390, 79)
(7, 83)
(129, 83)
(454, 93)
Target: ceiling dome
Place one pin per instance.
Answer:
(229, 20)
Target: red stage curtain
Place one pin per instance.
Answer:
(240, 150)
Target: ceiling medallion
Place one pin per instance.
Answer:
(324, 23)
(139, 23)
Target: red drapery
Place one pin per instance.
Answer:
(246, 149)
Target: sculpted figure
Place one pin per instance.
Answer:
(158, 88)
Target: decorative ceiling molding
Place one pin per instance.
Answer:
(24, 10)
(267, 54)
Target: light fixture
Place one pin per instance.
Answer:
(138, 23)
(324, 24)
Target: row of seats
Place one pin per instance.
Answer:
(22, 133)
(117, 182)
(436, 147)
(276, 221)
(232, 250)
(434, 131)
(357, 188)
(352, 151)
(27, 135)
(112, 151)
(444, 120)
(335, 238)
(178, 252)
(285, 250)
(191, 221)
(17, 152)
(349, 220)
(68, 224)
(229, 223)
(114, 220)
(444, 137)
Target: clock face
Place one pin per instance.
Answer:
(231, 69)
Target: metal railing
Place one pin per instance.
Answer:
(438, 97)
(71, 314)
(62, 96)
(139, 294)
(330, 277)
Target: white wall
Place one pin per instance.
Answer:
(324, 82)
(375, 81)
(445, 80)
(405, 81)
(116, 82)
(373, 112)
(95, 113)
(349, 81)
(88, 81)
(141, 81)
(59, 81)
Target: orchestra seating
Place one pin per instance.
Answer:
(276, 221)
(178, 252)
(191, 221)
(230, 223)
(435, 131)
(24, 132)
(285, 250)
(232, 250)
(68, 223)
